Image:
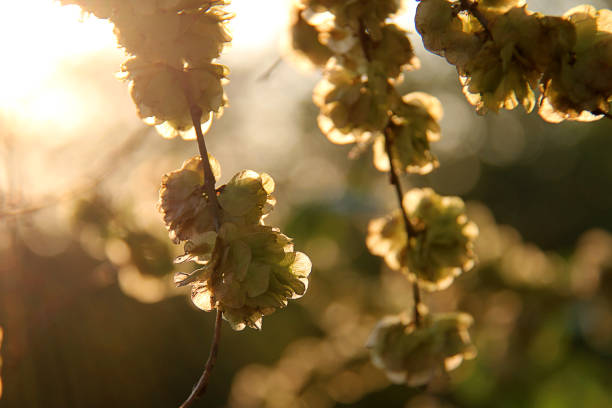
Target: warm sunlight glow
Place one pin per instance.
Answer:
(258, 23)
(37, 36)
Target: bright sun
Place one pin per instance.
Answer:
(37, 35)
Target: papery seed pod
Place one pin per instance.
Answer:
(351, 108)
(581, 85)
(415, 355)
(442, 247)
(393, 52)
(182, 201)
(387, 238)
(252, 271)
(193, 37)
(413, 126)
(164, 96)
(446, 33)
(495, 80)
(305, 40)
(247, 197)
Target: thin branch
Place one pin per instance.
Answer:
(410, 230)
(395, 181)
(109, 164)
(209, 177)
(268, 72)
(202, 383)
(363, 40)
(211, 194)
(472, 7)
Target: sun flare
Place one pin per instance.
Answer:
(38, 36)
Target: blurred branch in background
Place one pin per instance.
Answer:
(102, 168)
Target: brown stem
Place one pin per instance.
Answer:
(395, 181)
(209, 177)
(472, 8)
(410, 230)
(211, 194)
(416, 295)
(268, 72)
(110, 164)
(363, 40)
(202, 383)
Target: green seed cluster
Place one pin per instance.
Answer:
(172, 46)
(363, 56)
(504, 53)
(443, 246)
(414, 355)
(248, 269)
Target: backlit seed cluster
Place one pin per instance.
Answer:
(363, 56)
(414, 355)
(443, 246)
(440, 248)
(504, 53)
(247, 269)
(172, 47)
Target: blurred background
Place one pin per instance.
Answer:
(90, 315)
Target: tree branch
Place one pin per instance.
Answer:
(410, 230)
(202, 383)
(268, 72)
(211, 195)
(472, 7)
(395, 181)
(209, 177)
(110, 163)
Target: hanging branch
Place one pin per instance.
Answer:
(410, 230)
(472, 8)
(209, 177)
(109, 164)
(395, 182)
(209, 188)
(200, 388)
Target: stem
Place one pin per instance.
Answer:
(363, 40)
(395, 181)
(211, 194)
(266, 74)
(472, 7)
(202, 383)
(209, 177)
(410, 230)
(416, 295)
